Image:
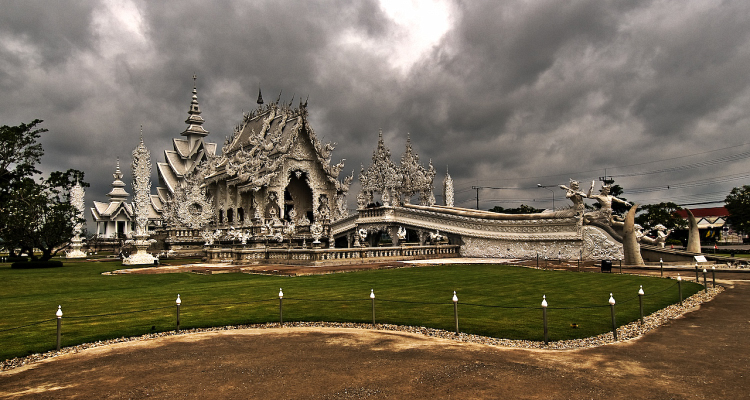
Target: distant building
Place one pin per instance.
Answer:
(712, 222)
(115, 219)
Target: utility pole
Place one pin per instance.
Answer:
(486, 187)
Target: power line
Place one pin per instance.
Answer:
(720, 160)
(707, 163)
(690, 184)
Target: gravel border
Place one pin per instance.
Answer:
(630, 331)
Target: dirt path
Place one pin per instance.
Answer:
(705, 354)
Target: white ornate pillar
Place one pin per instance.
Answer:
(142, 202)
(76, 199)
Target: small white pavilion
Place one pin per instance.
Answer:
(115, 218)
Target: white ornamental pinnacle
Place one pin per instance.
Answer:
(141, 186)
(448, 192)
(76, 200)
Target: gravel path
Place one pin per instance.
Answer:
(702, 354)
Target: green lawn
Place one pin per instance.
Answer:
(494, 300)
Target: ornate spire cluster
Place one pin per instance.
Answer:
(195, 121)
(396, 182)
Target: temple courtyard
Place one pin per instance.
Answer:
(703, 354)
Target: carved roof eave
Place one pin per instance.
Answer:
(181, 146)
(176, 163)
(169, 178)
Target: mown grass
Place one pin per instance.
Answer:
(494, 300)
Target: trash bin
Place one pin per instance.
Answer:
(607, 266)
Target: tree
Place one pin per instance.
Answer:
(738, 205)
(523, 209)
(33, 215)
(19, 155)
(662, 213)
(19, 152)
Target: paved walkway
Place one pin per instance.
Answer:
(704, 355)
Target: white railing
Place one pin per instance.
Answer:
(330, 256)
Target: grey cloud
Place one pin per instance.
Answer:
(513, 92)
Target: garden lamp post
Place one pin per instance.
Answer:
(372, 298)
(59, 315)
(544, 316)
(614, 322)
(697, 280)
(281, 306)
(679, 286)
(713, 276)
(640, 301)
(455, 309)
(705, 285)
(178, 302)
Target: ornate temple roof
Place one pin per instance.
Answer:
(195, 121)
(118, 200)
(188, 152)
(118, 192)
(252, 157)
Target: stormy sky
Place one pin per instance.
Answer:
(503, 94)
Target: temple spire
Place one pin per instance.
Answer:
(195, 121)
(260, 98)
(118, 192)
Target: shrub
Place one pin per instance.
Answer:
(36, 264)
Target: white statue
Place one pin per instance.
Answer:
(605, 201)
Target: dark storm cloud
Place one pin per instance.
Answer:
(514, 93)
(57, 28)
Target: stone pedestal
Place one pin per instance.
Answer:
(141, 255)
(76, 245)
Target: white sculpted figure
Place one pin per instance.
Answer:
(605, 201)
(661, 235)
(576, 195)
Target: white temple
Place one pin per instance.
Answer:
(272, 195)
(114, 219)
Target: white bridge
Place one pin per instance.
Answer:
(557, 234)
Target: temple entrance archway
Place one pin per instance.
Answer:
(298, 195)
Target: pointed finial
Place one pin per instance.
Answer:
(260, 97)
(195, 77)
(308, 98)
(291, 101)
(278, 99)
(141, 133)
